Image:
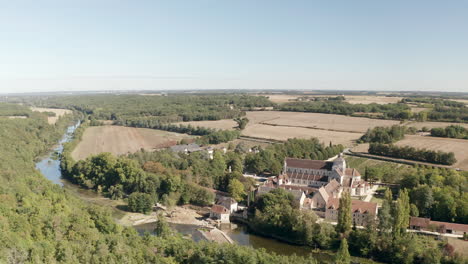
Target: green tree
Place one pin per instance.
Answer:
(162, 228)
(344, 214)
(342, 256)
(385, 213)
(140, 202)
(402, 214)
(236, 189)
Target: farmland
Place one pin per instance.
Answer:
(457, 146)
(277, 125)
(58, 113)
(366, 99)
(121, 140)
(283, 133)
(317, 121)
(430, 125)
(217, 124)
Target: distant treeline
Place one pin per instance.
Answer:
(450, 132)
(14, 110)
(434, 101)
(386, 135)
(406, 152)
(387, 111)
(171, 108)
(438, 109)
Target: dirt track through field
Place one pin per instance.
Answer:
(122, 140)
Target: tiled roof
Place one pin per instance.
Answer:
(356, 206)
(426, 222)
(308, 164)
(306, 176)
(219, 209)
(332, 186)
(305, 189)
(352, 172)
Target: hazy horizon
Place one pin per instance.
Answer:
(107, 45)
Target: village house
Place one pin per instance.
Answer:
(229, 203)
(219, 212)
(360, 211)
(186, 148)
(425, 224)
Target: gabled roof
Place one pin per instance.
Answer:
(352, 172)
(226, 200)
(332, 186)
(219, 209)
(356, 206)
(309, 164)
(323, 193)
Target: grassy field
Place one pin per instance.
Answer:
(122, 140)
(58, 113)
(458, 146)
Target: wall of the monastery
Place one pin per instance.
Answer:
(308, 171)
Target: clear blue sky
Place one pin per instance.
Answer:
(103, 45)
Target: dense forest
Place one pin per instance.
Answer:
(43, 223)
(450, 132)
(411, 153)
(165, 109)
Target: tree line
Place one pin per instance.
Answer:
(452, 131)
(386, 135)
(411, 153)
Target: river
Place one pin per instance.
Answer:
(49, 166)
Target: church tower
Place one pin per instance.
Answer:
(339, 163)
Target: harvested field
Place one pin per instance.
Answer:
(58, 113)
(364, 99)
(283, 133)
(317, 121)
(457, 146)
(17, 117)
(281, 98)
(430, 125)
(218, 124)
(122, 140)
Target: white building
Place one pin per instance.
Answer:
(229, 203)
(220, 212)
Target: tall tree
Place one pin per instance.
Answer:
(342, 256)
(402, 214)
(344, 214)
(385, 213)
